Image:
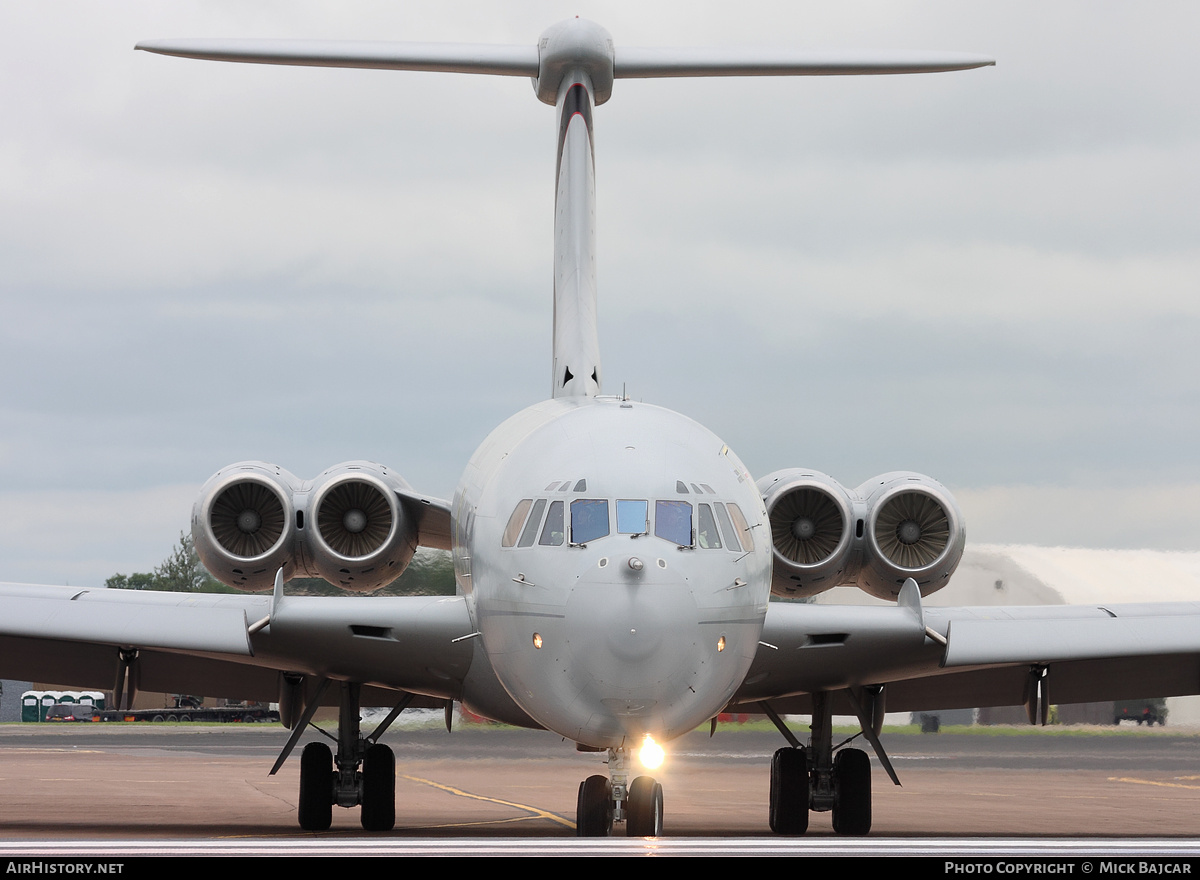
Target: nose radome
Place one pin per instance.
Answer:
(621, 617)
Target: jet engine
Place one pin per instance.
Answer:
(891, 528)
(358, 537)
(812, 520)
(914, 529)
(243, 524)
(348, 526)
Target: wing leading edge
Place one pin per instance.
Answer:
(945, 658)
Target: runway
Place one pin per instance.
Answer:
(478, 787)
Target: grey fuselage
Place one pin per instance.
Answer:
(629, 633)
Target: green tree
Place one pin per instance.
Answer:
(431, 573)
(137, 581)
(180, 572)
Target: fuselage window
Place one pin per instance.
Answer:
(633, 517)
(706, 535)
(553, 532)
(589, 519)
(514, 523)
(531, 527)
(743, 528)
(673, 522)
(731, 540)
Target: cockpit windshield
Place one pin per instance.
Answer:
(673, 521)
(589, 519)
(633, 517)
(704, 525)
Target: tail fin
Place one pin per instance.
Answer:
(573, 67)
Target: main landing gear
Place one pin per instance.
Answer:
(604, 801)
(361, 773)
(818, 779)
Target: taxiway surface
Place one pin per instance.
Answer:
(122, 781)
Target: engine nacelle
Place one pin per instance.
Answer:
(813, 521)
(358, 536)
(891, 528)
(243, 524)
(348, 526)
(914, 529)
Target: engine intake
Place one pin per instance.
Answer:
(362, 538)
(242, 524)
(811, 517)
(914, 530)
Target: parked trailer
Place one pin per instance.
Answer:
(246, 714)
(186, 708)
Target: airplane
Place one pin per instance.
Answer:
(614, 560)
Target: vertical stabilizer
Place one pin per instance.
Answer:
(576, 340)
(579, 55)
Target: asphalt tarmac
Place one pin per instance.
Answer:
(198, 782)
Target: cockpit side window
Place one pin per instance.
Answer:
(553, 532)
(531, 527)
(706, 534)
(589, 519)
(673, 522)
(731, 540)
(633, 517)
(514, 523)
(743, 529)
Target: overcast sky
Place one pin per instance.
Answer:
(992, 277)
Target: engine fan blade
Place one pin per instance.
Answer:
(247, 519)
(354, 518)
(806, 526)
(912, 529)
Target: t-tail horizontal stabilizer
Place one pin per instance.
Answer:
(511, 60)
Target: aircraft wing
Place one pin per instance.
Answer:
(435, 526)
(945, 658)
(203, 643)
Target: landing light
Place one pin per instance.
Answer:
(651, 754)
(537, 640)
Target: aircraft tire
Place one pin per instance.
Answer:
(316, 787)
(379, 789)
(789, 791)
(645, 818)
(852, 776)
(594, 809)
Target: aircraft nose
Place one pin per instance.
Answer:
(632, 626)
